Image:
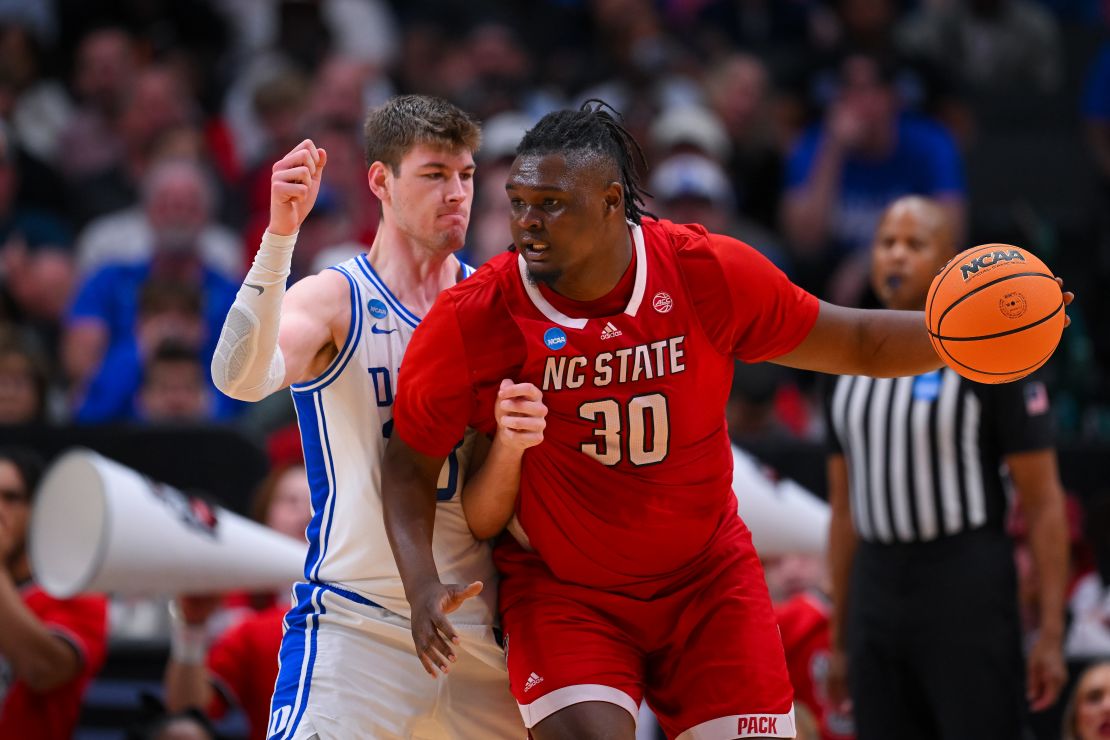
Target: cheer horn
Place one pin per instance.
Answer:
(783, 516)
(98, 526)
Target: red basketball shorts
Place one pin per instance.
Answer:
(707, 656)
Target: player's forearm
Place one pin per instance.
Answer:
(38, 657)
(854, 341)
(489, 497)
(409, 505)
(894, 344)
(248, 364)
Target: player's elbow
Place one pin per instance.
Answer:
(238, 390)
(250, 395)
(483, 530)
(483, 523)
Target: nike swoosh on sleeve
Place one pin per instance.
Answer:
(259, 288)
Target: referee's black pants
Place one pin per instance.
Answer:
(934, 641)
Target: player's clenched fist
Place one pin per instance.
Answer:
(521, 415)
(294, 185)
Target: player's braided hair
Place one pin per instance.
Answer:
(592, 128)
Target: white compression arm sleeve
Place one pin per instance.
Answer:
(248, 363)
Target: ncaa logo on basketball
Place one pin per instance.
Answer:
(990, 259)
(662, 302)
(377, 309)
(555, 338)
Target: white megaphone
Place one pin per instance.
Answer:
(98, 526)
(783, 517)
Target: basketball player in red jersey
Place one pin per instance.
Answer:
(628, 574)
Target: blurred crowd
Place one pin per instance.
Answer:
(137, 138)
(136, 141)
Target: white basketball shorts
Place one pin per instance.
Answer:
(348, 670)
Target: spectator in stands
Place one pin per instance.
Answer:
(169, 312)
(846, 169)
(37, 106)
(693, 188)
(740, 91)
(104, 316)
(1096, 128)
(23, 380)
(240, 667)
(489, 233)
(178, 199)
(163, 725)
(36, 258)
(803, 618)
(157, 102)
(1088, 635)
(1087, 716)
(49, 649)
(175, 386)
(104, 72)
(990, 45)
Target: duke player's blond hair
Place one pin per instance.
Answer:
(395, 127)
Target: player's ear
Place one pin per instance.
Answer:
(613, 198)
(380, 179)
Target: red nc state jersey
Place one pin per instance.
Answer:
(633, 478)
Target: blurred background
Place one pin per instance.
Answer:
(136, 139)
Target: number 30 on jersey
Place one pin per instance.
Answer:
(638, 431)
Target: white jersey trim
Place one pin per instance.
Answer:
(641, 271)
(347, 351)
(368, 270)
(569, 322)
(543, 707)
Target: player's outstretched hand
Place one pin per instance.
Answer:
(432, 632)
(520, 414)
(294, 185)
(1068, 298)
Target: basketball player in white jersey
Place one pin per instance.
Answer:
(347, 667)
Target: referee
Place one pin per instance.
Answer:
(925, 618)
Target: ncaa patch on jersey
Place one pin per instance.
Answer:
(555, 338)
(926, 387)
(662, 302)
(377, 309)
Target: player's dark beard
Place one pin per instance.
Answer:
(546, 278)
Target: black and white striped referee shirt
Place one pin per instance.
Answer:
(925, 453)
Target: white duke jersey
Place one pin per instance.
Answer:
(345, 417)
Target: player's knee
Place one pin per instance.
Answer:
(591, 720)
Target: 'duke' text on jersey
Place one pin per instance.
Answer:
(625, 365)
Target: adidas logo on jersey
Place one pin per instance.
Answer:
(532, 682)
(610, 331)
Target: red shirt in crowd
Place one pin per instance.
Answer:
(83, 623)
(804, 624)
(243, 663)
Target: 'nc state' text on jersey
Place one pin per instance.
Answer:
(625, 365)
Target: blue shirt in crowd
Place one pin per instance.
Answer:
(924, 162)
(111, 295)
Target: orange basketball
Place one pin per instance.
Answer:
(995, 313)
